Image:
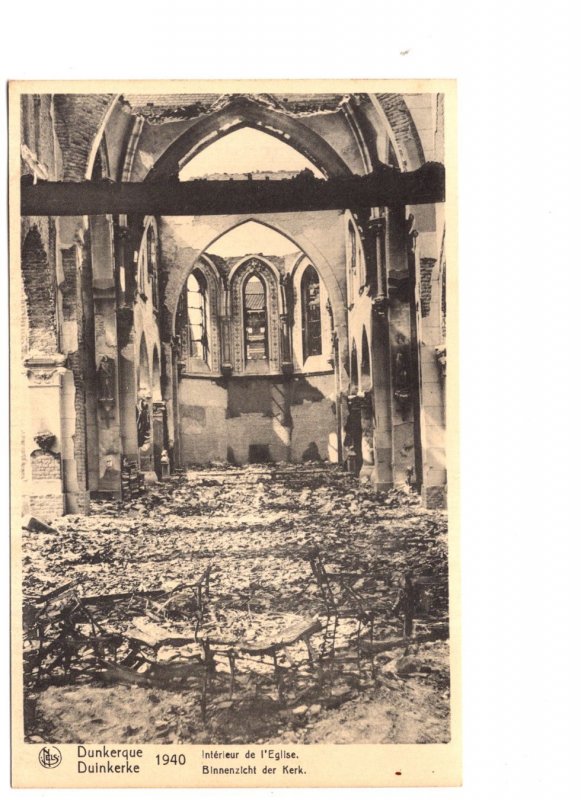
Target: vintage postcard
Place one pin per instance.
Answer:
(234, 434)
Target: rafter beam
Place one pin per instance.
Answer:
(384, 187)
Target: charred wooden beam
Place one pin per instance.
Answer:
(383, 187)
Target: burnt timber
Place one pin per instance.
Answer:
(385, 186)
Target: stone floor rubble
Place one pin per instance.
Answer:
(215, 567)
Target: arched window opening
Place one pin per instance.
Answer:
(311, 313)
(152, 263)
(147, 266)
(197, 305)
(156, 378)
(352, 267)
(365, 364)
(182, 328)
(255, 320)
(361, 267)
(144, 379)
(142, 272)
(352, 248)
(354, 370)
(101, 169)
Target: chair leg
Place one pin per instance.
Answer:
(232, 663)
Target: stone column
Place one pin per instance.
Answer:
(342, 355)
(225, 312)
(286, 325)
(377, 228)
(159, 436)
(127, 385)
(144, 415)
(401, 365)
(70, 248)
(286, 358)
(367, 470)
(106, 356)
(380, 360)
(336, 437)
(429, 316)
(382, 470)
(173, 351)
(432, 354)
(353, 435)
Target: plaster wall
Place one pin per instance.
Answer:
(219, 421)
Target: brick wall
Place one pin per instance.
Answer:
(77, 118)
(45, 466)
(404, 129)
(38, 276)
(47, 507)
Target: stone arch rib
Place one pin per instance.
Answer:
(404, 130)
(241, 113)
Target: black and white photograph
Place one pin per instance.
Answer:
(234, 419)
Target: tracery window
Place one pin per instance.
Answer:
(352, 261)
(197, 306)
(311, 312)
(255, 320)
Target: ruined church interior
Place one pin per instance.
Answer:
(231, 409)
(297, 315)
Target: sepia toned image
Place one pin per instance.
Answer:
(230, 432)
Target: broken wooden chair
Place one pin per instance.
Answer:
(67, 634)
(341, 601)
(63, 637)
(414, 601)
(274, 647)
(187, 600)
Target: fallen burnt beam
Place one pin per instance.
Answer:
(383, 187)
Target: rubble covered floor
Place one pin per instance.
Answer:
(255, 526)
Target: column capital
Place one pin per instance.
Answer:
(41, 360)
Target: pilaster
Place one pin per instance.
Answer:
(44, 442)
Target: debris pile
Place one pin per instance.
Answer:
(70, 636)
(289, 583)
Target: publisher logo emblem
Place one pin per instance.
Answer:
(50, 757)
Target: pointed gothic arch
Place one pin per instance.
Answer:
(156, 376)
(196, 319)
(240, 112)
(311, 314)
(256, 351)
(148, 262)
(243, 151)
(224, 226)
(143, 370)
(353, 370)
(365, 382)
